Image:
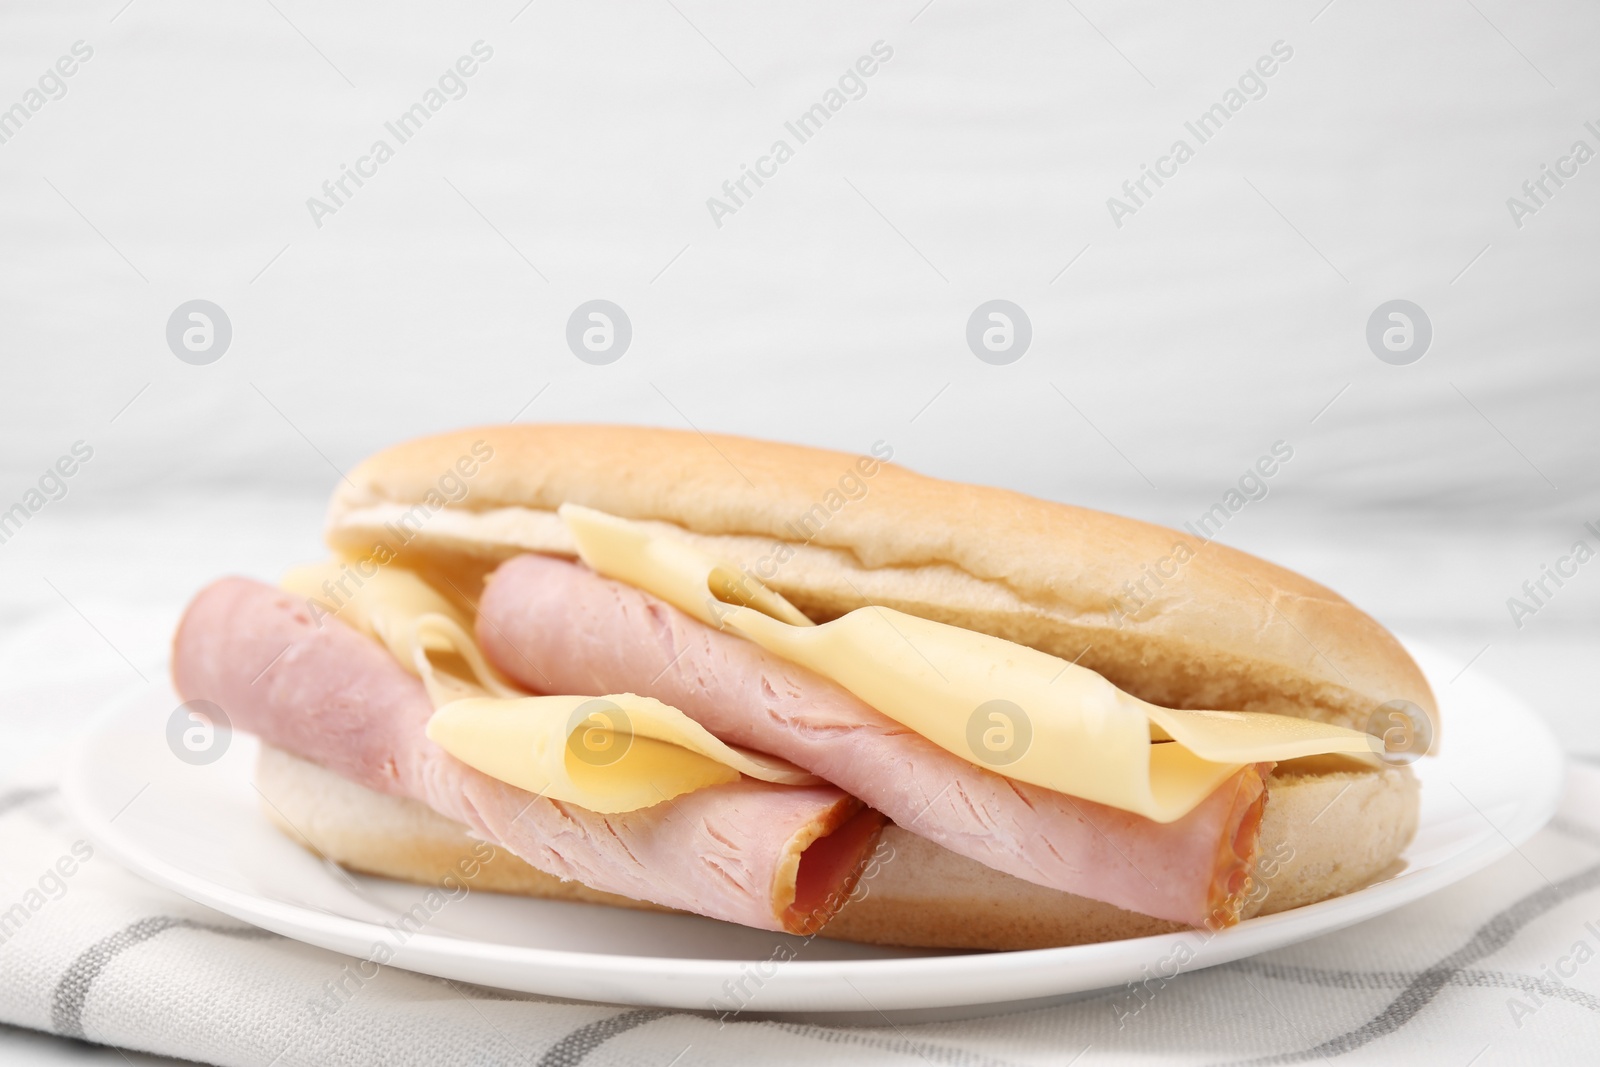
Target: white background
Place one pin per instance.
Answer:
(1228, 313)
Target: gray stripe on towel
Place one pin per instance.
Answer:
(575, 1047)
(72, 991)
(1425, 985)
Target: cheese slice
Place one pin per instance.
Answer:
(1025, 714)
(608, 754)
(404, 613)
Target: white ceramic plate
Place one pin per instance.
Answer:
(199, 830)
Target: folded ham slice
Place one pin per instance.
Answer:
(559, 627)
(774, 857)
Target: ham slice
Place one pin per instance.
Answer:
(559, 627)
(773, 857)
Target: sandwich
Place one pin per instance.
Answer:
(808, 692)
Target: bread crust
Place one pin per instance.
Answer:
(1327, 831)
(1225, 630)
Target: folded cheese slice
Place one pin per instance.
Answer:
(611, 754)
(1022, 713)
(405, 614)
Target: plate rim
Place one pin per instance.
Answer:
(803, 979)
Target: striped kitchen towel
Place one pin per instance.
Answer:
(1501, 968)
